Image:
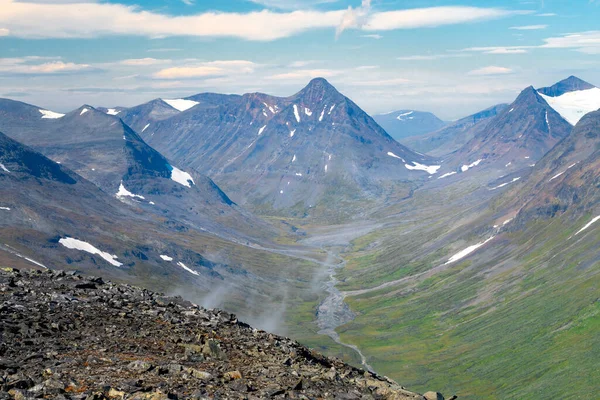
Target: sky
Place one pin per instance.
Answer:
(452, 58)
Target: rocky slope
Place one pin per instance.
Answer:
(73, 337)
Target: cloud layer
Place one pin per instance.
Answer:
(59, 20)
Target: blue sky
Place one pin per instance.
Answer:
(449, 57)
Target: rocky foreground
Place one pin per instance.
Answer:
(65, 336)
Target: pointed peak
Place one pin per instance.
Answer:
(317, 90)
(571, 84)
(320, 84)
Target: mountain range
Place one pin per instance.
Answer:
(470, 268)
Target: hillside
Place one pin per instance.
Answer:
(141, 345)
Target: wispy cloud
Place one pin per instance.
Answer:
(207, 69)
(500, 49)
(42, 20)
(529, 27)
(144, 62)
(292, 4)
(430, 57)
(583, 42)
(373, 36)
(305, 74)
(40, 66)
(491, 70)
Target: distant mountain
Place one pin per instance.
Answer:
(571, 84)
(107, 152)
(453, 136)
(283, 153)
(405, 123)
(572, 98)
(515, 139)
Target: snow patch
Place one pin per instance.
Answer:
(146, 127)
(191, 271)
(3, 168)
(298, 174)
(307, 111)
(506, 183)
(281, 191)
(462, 254)
(447, 175)
(75, 244)
(389, 153)
(5, 208)
(399, 117)
(296, 113)
(261, 130)
(572, 106)
(166, 258)
(326, 167)
(180, 104)
(126, 193)
(331, 109)
(511, 110)
(322, 114)
(294, 158)
(112, 111)
(465, 168)
(181, 177)
(270, 108)
(84, 111)
(588, 225)
(50, 114)
(430, 169)
(508, 165)
(292, 133)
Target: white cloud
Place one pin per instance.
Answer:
(292, 4)
(207, 69)
(529, 27)
(4, 32)
(491, 70)
(373, 36)
(305, 74)
(302, 64)
(41, 20)
(433, 17)
(500, 49)
(584, 42)
(354, 17)
(33, 66)
(144, 62)
(429, 57)
(546, 15)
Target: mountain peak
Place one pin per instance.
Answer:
(319, 87)
(571, 84)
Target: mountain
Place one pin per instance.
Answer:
(572, 98)
(453, 136)
(571, 84)
(107, 152)
(405, 123)
(513, 140)
(566, 179)
(276, 153)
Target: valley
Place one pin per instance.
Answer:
(471, 268)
